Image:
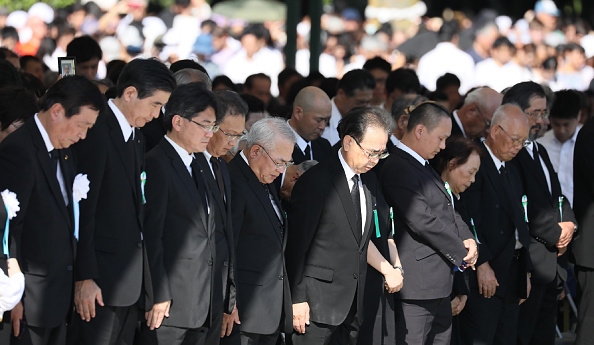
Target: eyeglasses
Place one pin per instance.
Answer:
(277, 165)
(483, 116)
(232, 137)
(207, 128)
(542, 114)
(371, 156)
(516, 141)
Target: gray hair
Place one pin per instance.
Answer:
(268, 132)
(305, 165)
(190, 75)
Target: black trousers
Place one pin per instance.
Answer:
(585, 325)
(322, 334)
(110, 326)
(168, 335)
(423, 322)
(538, 315)
(41, 336)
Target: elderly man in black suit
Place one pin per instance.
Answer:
(179, 224)
(231, 122)
(473, 119)
(38, 165)
(494, 204)
(432, 239)
(331, 220)
(260, 233)
(112, 275)
(550, 223)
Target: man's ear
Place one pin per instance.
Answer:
(130, 93)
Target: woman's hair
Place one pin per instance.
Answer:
(457, 151)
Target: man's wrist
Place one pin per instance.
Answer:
(399, 268)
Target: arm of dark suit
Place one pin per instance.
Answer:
(306, 208)
(414, 208)
(237, 208)
(157, 198)
(91, 156)
(17, 175)
(473, 205)
(544, 222)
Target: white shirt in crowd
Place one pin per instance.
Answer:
(561, 155)
(444, 58)
(266, 60)
(489, 73)
(331, 131)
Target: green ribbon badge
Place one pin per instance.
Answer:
(447, 187)
(561, 207)
(525, 204)
(378, 234)
(392, 218)
(142, 183)
(474, 229)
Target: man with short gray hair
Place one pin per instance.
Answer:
(473, 119)
(260, 232)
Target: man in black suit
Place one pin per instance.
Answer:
(231, 122)
(550, 227)
(260, 233)
(110, 266)
(494, 203)
(179, 224)
(583, 198)
(331, 219)
(39, 167)
(311, 112)
(473, 119)
(433, 240)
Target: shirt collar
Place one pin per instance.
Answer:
(457, 119)
(185, 156)
(348, 171)
(300, 141)
(127, 129)
(498, 163)
(244, 158)
(44, 135)
(410, 151)
(394, 140)
(335, 117)
(207, 155)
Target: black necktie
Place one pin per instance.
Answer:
(218, 175)
(356, 198)
(535, 153)
(307, 152)
(273, 203)
(55, 158)
(199, 184)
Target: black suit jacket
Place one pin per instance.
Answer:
(456, 130)
(326, 251)
(391, 148)
(543, 212)
(42, 234)
(429, 233)
(321, 148)
(154, 131)
(224, 233)
(112, 215)
(583, 195)
(179, 238)
(262, 287)
(496, 214)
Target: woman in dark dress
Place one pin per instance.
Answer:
(457, 165)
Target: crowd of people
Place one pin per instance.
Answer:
(178, 184)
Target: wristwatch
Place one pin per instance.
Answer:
(575, 228)
(399, 268)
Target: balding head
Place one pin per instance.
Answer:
(477, 111)
(312, 109)
(509, 130)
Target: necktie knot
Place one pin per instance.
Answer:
(54, 154)
(502, 170)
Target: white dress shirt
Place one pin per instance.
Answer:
(274, 205)
(394, 140)
(561, 155)
(50, 147)
(529, 148)
(127, 129)
(349, 174)
(266, 60)
(444, 58)
(498, 77)
(331, 131)
(457, 119)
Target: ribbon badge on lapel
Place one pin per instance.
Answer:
(561, 207)
(12, 207)
(142, 183)
(80, 188)
(525, 205)
(447, 187)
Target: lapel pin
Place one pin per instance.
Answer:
(65, 157)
